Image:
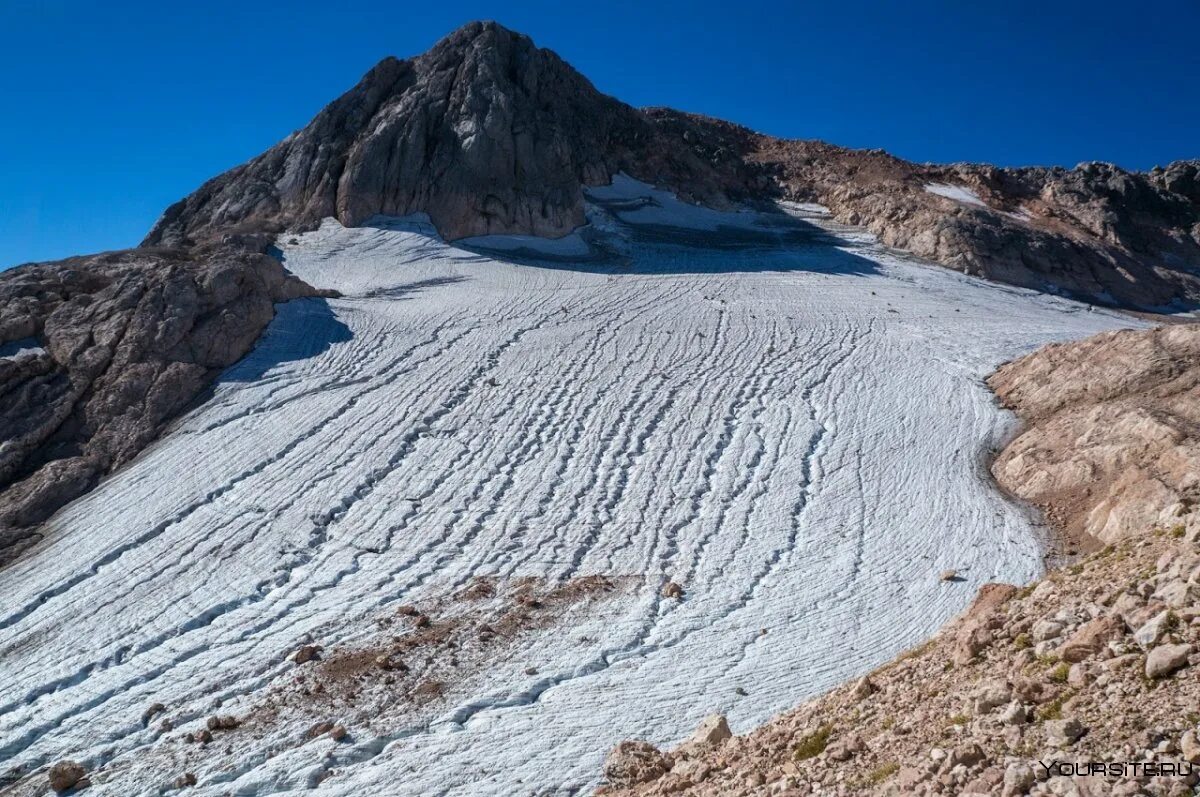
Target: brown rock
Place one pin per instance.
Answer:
(671, 590)
(185, 780)
(633, 762)
(66, 775)
(306, 653)
(1091, 638)
(222, 722)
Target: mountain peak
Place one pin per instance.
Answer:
(485, 132)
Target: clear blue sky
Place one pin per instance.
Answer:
(115, 110)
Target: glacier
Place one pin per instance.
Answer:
(775, 413)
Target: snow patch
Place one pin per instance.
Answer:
(635, 202)
(956, 192)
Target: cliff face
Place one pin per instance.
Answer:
(486, 133)
(128, 339)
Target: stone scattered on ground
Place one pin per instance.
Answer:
(673, 591)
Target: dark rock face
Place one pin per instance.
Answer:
(130, 338)
(486, 133)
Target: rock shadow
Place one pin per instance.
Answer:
(302, 329)
(775, 242)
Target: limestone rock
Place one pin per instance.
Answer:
(863, 688)
(713, 729)
(1163, 660)
(989, 695)
(1152, 631)
(1064, 732)
(1189, 746)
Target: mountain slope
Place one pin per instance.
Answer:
(489, 134)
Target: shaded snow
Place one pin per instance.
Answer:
(572, 245)
(21, 348)
(793, 432)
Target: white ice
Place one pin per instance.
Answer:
(796, 432)
(956, 192)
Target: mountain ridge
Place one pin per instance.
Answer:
(488, 133)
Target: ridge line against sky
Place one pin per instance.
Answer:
(115, 112)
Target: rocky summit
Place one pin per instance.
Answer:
(486, 133)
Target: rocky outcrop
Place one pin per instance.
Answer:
(486, 133)
(1111, 443)
(1095, 232)
(129, 339)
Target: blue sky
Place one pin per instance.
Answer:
(115, 110)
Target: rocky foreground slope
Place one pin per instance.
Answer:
(1094, 665)
(488, 133)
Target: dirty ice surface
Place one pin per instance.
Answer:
(772, 412)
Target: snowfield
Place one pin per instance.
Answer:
(782, 418)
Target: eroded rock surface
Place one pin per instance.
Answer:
(129, 339)
(1110, 446)
(1097, 231)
